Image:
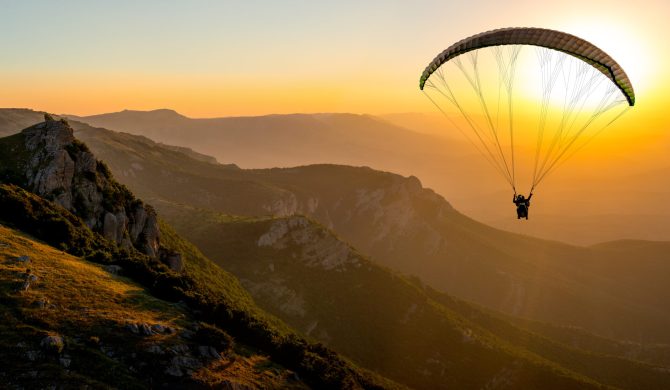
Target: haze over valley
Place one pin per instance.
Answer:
(578, 204)
(364, 230)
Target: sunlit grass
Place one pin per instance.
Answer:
(83, 293)
(91, 307)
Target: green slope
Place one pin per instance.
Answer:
(395, 325)
(394, 220)
(91, 310)
(155, 171)
(213, 295)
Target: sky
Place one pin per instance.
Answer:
(221, 58)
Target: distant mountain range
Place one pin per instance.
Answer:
(282, 140)
(304, 271)
(578, 204)
(414, 230)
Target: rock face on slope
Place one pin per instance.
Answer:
(318, 250)
(60, 168)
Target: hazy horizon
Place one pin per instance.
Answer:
(591, 190)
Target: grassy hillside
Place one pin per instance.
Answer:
(348, 199)
(393, 219)
(92, 316)
(213, 295)
(652, 353)
(300, 272)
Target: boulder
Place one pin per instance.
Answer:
(151, 234)
(110, 227)
(186, 362)
(172, 259)
(30, 278)
(113, 269)
(180, 349)
(145, 329)
(133, 328)
(23, 259)
(41, 303)
(138, 220)
(207, 351)
(53, 343)
(157, 328)
(174, 370)
(32, 355)
(65, 361)
(154, 349)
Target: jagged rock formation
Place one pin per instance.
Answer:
(318, 250)
(60, 168)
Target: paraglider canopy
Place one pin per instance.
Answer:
(578, 91)
(551, 39)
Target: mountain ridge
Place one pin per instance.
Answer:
(211, 294)
(292, 274)
(527, 263)
(133, 162)
(316, 190)
(579, 194)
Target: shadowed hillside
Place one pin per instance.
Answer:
(298, 271)
(359, 202)
(83, 211)
(414, 230)
(578, 204)
(395, 221)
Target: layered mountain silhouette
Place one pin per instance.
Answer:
(412, 229)
(172, 318)
(306, 272)
(577, 204)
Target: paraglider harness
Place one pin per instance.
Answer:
(522, 205)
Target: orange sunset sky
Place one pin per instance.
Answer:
(216, 58)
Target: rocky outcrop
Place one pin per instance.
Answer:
(317, 248)
(29, 280)
(62, 169)
(50, 168)
(379, 213)
(172, 259)
(53, 343)
(283, 205)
